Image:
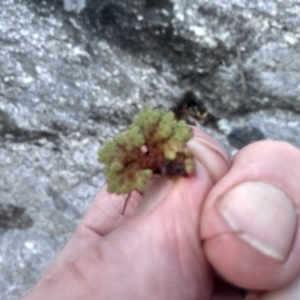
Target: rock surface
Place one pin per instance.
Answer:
(74, 73)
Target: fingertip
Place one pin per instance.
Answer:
(249, 225)
(210, 153)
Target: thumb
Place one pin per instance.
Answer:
(250, 226)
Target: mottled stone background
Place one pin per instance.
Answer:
(75, 73)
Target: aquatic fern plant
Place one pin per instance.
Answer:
(155, 144)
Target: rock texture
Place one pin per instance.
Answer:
(74, 73)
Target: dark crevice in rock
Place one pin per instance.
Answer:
(9, 130)
(193, 111)
(158, 3)
(242, 136)
(156, 39)
(154, 35)
(12, 216)
(107, 16)
(21, 135)
(149, 30)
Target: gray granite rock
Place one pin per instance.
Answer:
(74, 5)
(75, 73)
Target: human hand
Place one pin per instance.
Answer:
(236, 219)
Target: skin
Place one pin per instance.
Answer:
(173, 241)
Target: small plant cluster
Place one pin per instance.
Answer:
(154, 144)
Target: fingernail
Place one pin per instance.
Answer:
(210, 156)
(262, 215)
(157, 189)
